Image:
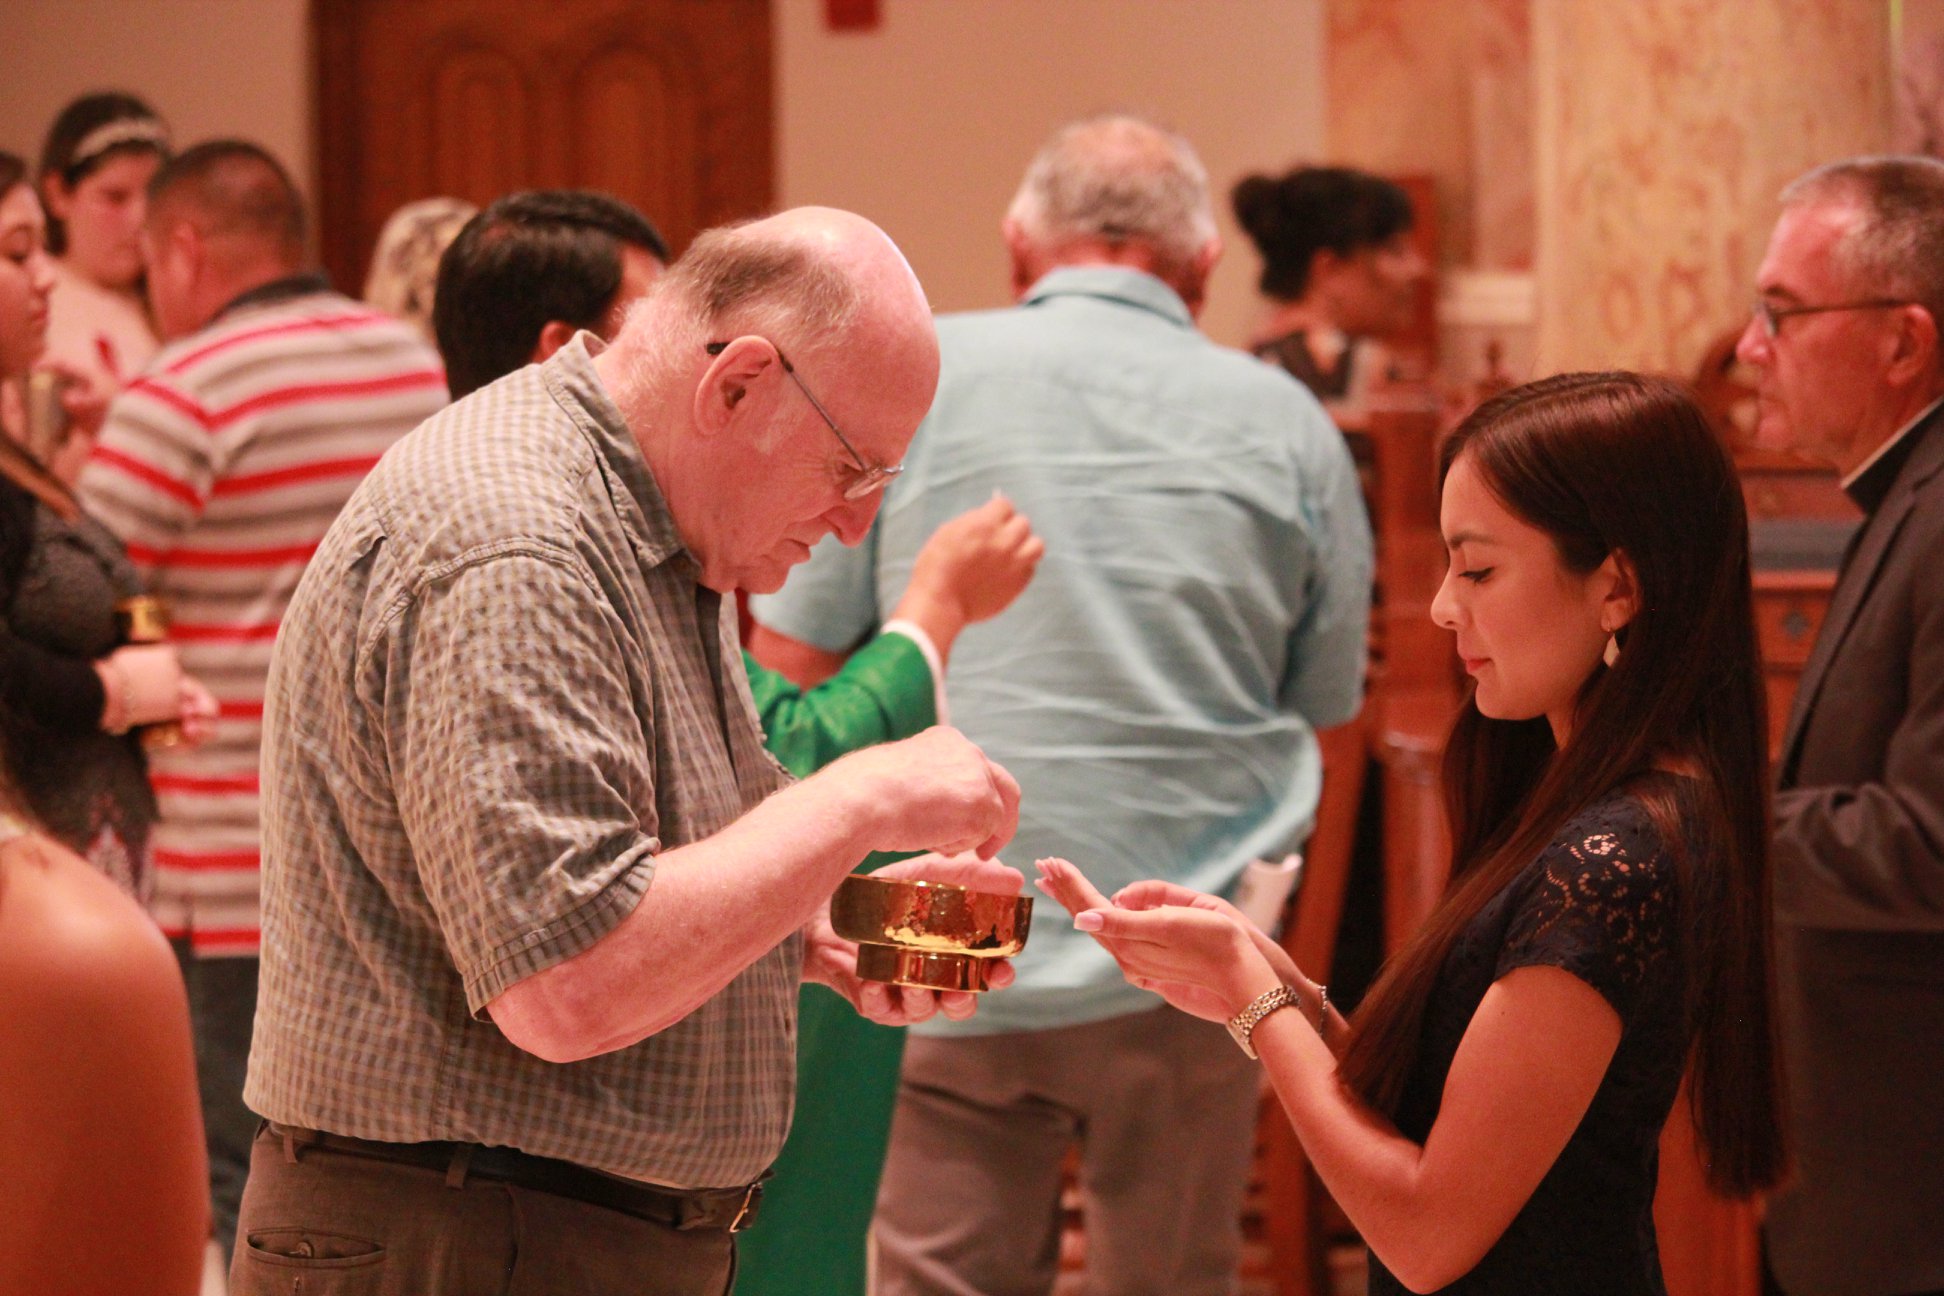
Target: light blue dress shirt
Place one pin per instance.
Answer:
(1202, 604)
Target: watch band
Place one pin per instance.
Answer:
(1242, 1025)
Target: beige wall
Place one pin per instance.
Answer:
(1664, 130)
(923, 124)
(926, 123)
(212, 67)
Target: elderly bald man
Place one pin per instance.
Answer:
(536, 901)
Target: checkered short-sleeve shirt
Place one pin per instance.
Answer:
(498, 693)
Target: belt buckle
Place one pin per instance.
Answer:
(751, 1195)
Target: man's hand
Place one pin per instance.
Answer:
(970, 570)
(936, 791)
(830, 960)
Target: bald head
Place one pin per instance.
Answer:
(770, 376)
(811, 279)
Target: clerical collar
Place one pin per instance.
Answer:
(1870, 481)
(294, 285)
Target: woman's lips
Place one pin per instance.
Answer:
(1474, 664)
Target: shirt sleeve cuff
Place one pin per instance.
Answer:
(929, 650)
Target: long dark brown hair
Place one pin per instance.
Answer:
(1604, 463)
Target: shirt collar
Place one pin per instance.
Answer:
(576, 386)
(293, 285)
(1870, 481)
(1130, 287)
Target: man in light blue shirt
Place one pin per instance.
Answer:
(1200, 610)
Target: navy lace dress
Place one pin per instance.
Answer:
(1600, 903)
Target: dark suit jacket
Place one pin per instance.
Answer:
(1859, 899)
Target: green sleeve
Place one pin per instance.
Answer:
(884, 692)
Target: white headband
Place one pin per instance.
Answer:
(123, 130)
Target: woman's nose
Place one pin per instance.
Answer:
(1444, 607)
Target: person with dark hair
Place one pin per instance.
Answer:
(533, 269)
(1849, 371)
(1490, 1121)
(95, 167)
(220, 468)
(72, 690)
(537, 902)
(1338, 266)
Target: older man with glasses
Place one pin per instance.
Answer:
(536, 900)
(1845, 347)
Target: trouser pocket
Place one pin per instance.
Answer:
(306, 1262)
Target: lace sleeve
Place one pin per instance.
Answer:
(1598, 904)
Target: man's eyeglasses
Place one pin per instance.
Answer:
(1771, 316)
(870, 478)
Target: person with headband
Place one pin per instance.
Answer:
(95, 168)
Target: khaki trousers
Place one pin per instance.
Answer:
(332, 1224)
(1164, 1109)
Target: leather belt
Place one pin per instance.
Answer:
(733, 1209)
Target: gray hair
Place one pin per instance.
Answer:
(1896, 249)
(734, 280)
(1118, 179)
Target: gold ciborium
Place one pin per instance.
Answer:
(928, 934)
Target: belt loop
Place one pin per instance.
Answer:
(289, 1142)
(462, 1156)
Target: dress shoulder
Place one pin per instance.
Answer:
(1598, 903)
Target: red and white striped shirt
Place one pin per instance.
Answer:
(221, 468)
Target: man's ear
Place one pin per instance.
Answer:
(1021, 256)
(554, 334)
(1620, 601)
(1194, 288)
(729, 384)
(1914, 351)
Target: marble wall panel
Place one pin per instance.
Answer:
(1664, 129)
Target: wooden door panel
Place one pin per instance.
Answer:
(474, 96)
(666, 103)
(636, 125)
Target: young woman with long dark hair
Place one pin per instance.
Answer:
(71, 691)
(1490, 1119)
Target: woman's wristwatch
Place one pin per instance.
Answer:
(1242, 1025)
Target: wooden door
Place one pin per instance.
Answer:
(665, 103)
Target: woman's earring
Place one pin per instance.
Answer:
(1612, 653)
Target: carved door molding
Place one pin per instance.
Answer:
(666, 103)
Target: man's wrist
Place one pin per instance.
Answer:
(934, 661)
(940, 618)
